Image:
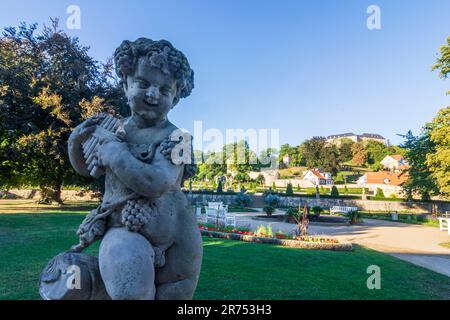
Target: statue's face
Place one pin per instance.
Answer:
(151, 93)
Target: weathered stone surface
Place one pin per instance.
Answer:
(72, 276)
(151, 247)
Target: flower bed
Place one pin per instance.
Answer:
(278, 238)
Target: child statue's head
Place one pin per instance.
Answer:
(155, 76)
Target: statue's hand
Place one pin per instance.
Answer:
(109, 145)
(85, 129)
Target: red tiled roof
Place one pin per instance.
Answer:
(317, 173)
(386, 177)
(397, 157)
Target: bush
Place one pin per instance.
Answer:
(243, 200)
(289, 189)
(219, 186)
(292, 212)
(317, 210)
(380, 193)
(354, 217)
(272, 200)
(421, 218)
(269, 210)
(334, 192)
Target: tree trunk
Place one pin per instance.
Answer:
(51, 193)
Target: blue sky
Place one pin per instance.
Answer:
(306, 67)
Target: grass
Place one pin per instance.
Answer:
(445, 244)
(230, 270)
(402, 218)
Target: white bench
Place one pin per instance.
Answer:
(339, 209)
(215, 205)
(220, 217)
(443, 224)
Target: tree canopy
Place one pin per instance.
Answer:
(48, 85)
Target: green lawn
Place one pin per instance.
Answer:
(402, 218)
(445, 244)
(231, 270)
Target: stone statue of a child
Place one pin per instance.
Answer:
(150, 247)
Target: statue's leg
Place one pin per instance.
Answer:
(126, 265)
(177, 280)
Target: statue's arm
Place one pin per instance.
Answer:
(79, 134)
(76, 158)
(143, 178)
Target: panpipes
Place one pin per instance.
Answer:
(109, 123)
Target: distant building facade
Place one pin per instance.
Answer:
(287, 160)
(395, 162)
(337, 138)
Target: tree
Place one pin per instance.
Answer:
(439, 131)
(312, 151)
(379, 193)
(421, 180)
(443, 62)
(289, 189)
(334, 192)
(318, 154)
(294, 153)
(439, 160)
(219, 186)
(359, 154)
(345, 150)
(49, 84)
(376, 151)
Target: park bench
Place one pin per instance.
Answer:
(218, 214)
(340, 209)
(443, 224)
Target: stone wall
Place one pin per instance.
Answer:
(258, 201)
(364, 205)
(35, 194)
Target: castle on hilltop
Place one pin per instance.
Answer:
(337, 138)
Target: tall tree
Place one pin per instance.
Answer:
(318, 154)
(49, 84)
(345, 150)
(420, 179)
(439, 131)
(359, 154)
(443, 61)
(439, 160)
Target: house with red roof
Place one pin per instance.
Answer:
(318, 177)
(388, 181)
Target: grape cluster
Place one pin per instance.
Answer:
(166, 150)
(135, 214)
(167, 145)
(127, 55)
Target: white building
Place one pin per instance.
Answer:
(395, 162)
(318, 177)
